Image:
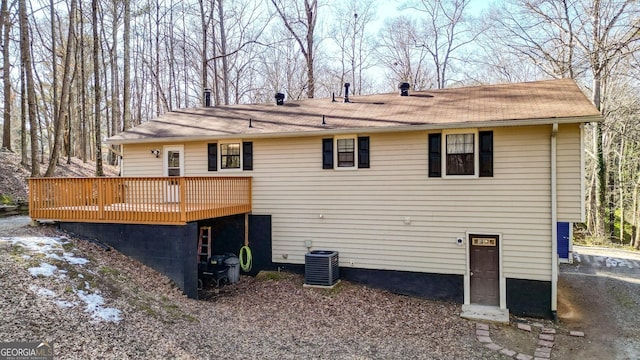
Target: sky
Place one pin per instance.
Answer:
(389, 8)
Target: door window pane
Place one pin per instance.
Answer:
(173, 163)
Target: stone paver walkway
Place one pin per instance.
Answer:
(546, 341)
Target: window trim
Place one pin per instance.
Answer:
(476, 153)
(353, 137)
(219, 158)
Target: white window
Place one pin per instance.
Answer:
(230, 155)
(460, 149)
(346, 152)
(346, 149)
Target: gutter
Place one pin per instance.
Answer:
(554, 224)
(354, 130)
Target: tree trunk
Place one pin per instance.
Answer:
(6, 76)
(601, 174)
(24, 160)
(96, 87)
(308, 19)
(621, 188)
(157, 59)
(25, 55)
(223, 53)
(311, 10)
(635, 218)
(205, 63)
(126, 91)
(54, 69)
(115, 86)
(63, 109)
(83, 94)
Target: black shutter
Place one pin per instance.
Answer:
(486, 153)
(363, 152)
(212, 156)
(247, 155)
(327, 153)
(435, 157)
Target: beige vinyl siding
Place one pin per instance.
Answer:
(393, 216)
(569, 173)
(139, 161)
(363, 213)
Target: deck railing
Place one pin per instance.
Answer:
(138, 200)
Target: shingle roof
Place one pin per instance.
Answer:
(540, 102)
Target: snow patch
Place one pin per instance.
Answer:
(44, 269)
(42, 291)
(73, 260)
(94, 306)
(64, 304)
(53, 256)
(51, 247)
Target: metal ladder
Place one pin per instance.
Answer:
(204, 244)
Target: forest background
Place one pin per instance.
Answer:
(75, 72)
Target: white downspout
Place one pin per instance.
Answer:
(554, 223)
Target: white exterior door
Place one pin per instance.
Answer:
(173, 166)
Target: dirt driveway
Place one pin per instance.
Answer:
(600, 294)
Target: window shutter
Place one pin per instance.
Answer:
(363, 152)
(247, 155)
(435, 157)
(486, 153)
(327, 153)
(212, 156)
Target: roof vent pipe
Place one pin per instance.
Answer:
(404, 88)
(207, 97)
(346, 92)
(279, 99)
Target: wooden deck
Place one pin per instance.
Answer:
(148, 200)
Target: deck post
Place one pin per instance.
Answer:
(100, 199)
(246, 229)
(183, 200)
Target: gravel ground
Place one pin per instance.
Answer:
(268, 317)
(602, 295)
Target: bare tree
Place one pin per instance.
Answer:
(582, 39)
(96, 88)
(444, 32)
(396, 50)
(301, 24)
(350, 34)
(63, 109)
(126, 91)
(25, 56)
(6, 74)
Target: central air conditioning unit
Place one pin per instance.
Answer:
(321, 268)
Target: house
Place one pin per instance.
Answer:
(453, 194)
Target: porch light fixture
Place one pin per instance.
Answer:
(156, 152)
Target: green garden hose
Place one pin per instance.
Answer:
(245, 261)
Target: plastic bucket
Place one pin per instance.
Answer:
(234, 269)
